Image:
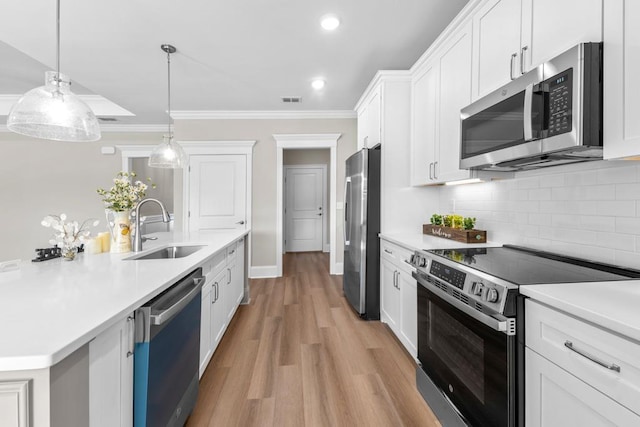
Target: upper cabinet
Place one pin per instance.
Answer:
(370, 119)
(440, 88)
(621, 79)
(512, 37)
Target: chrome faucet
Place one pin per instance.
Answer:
(137, 236)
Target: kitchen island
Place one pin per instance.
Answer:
(51, 311)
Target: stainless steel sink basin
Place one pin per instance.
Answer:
(170, 252)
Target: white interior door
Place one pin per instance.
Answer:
(217, 192)
(304, 209)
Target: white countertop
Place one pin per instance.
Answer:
(419, 241)
(611, 305)
(50, 309)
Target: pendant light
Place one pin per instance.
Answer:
(52, 111)
(169, 154)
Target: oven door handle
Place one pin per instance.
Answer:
(496, 322)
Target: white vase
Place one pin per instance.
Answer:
(120, 229)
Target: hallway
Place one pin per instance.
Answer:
(297, 355)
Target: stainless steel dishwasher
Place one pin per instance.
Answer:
(166, 356)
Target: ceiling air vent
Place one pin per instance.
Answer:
(291, 99)
(107, 119)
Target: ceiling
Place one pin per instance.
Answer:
(232, 55)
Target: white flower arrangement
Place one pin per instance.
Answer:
(124, 194)
(70, 234)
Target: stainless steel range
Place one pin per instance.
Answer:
(471, 327)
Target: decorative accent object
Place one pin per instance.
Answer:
(68, 236)
(168, 154)
(52, 111)
(455, 227)
(119, 200)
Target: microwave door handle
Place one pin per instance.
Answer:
(528, 111)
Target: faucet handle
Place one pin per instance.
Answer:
(145, 238)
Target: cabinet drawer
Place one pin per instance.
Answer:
(551, 333)
(214, 265)
(232, 250)
(394, 253)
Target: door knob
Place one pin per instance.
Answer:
(240, 222)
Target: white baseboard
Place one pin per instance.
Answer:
(337, 268)
(327, 248)
(263, 271)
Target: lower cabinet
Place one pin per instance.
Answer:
(398, 299)
(221, 294)
(111, 376)
(578, 374)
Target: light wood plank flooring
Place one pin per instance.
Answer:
(299, 356)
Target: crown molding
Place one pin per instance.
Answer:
(262, 114)
(133, 128)
(383, 76)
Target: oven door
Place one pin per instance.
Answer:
(470, 362)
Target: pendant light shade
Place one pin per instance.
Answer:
(169, 154)
(52, 111)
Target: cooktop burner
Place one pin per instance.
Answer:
(524, 266)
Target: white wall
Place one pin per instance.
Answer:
(264, 167)
(590, 210)
(40, 177)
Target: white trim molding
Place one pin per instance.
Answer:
(307, 141)
(262, 114)
(383, 75)
(263, 271)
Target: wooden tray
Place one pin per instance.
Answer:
(459, 235)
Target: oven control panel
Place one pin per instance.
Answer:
(465, 286)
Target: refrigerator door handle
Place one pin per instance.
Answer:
(346, 211)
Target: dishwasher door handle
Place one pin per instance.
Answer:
(166, 315)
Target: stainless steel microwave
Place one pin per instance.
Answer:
(551, 115)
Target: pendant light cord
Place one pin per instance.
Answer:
(169, 88)
(58, 43)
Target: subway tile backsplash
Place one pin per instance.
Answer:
(589, 210)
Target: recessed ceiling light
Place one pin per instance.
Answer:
(318, 84)
(330, 22)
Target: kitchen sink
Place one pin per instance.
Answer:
(170, 252)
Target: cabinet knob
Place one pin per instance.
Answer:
(240, 222)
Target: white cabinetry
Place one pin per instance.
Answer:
(577, 373)
(222, 292)
(111, 376)
(441, 87)
(369, 119)
(512, 37)
(621, 78)
(398, 299)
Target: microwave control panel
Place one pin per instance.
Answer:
(560, 97)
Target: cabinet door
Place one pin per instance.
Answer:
(238, 275)
(217, 192)
(390, 298)
(362, 128)
(424, 102)
(455, 94)
(621, 78)
(111, 376)
(549, 27)
(374, 119)
(496, 40)
(219, 308)
(205, 329)
(556, 398)
(409, 294)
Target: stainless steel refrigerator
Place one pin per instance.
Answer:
(361, 278)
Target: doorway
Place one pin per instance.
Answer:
(305, 210)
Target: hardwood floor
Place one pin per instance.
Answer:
(298, 355)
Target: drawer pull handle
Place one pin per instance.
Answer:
(611, 366)
(388, 251)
